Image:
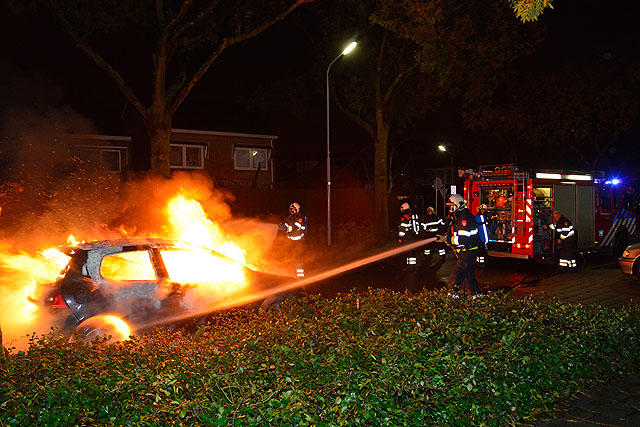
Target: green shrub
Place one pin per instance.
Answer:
(380, 358)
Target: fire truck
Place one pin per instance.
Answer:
(519, 203)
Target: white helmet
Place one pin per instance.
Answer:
(456, 202)
(294, 208)
(404, 207)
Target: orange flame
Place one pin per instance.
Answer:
(24, 276)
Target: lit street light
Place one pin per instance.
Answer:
(348, 49)
(443, 148)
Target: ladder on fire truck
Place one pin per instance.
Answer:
(520, 203)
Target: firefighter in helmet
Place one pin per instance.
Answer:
(566, 241)
(432, 226)
(463, 238)
(483, 233)
(408, 231)
(294, 228)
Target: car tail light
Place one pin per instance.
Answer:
(56, 300)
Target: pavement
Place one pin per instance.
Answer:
(617, 401)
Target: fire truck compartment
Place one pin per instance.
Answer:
(521, 204)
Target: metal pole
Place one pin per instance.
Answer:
(329, 159)
(451, 167)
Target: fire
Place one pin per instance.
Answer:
(189, 224)
(103, 325)
(25, 277)
(22, 285)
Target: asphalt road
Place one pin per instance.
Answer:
(597, 280)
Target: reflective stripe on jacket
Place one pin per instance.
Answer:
(563, 227)
(464, 231)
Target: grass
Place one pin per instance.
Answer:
(380, 358)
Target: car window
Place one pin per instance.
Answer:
(201, 266)
(135, 265)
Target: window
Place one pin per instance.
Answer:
(605, 198)
(251, 158)
(187, 156)
(108, 158)
(135, 265)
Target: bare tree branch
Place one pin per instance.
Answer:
(223, 44)
(104, 65)
(400, 77)
(353, 116)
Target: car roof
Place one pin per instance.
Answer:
(123, 243)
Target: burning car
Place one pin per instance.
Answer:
(110, 284)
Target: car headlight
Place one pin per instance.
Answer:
(625, 254)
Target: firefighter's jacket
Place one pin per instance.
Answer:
(483, 233)
(409, 227)
(432, 225)
(463, 232)
(294, 227)
(564, 228)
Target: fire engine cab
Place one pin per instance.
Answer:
(520, 203)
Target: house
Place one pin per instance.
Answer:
(231, 159)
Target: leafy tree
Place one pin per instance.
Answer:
(156, 51)
(530, 10)
(579, 110)
(412, 53)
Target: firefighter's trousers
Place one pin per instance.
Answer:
(568, 254)
(465, 271)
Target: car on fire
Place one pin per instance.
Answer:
(630, 260)
(150, 282)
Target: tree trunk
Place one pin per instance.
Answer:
(159, 131)
(381, 198)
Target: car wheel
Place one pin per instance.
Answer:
(110, 328)
(274, 302)
(636, 268)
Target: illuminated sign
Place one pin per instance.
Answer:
(506, 169)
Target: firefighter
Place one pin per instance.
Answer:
(294, 228)
(481, 219)
(408, 231)
(432, 226)
(567, 242)
(463, 238)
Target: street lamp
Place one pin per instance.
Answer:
(348, 49)
(443, 148)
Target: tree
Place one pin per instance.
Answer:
(159, 50)
(414, 52)
(579, 110)
(530, 10)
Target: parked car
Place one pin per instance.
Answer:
(149, 282)
(630, 260)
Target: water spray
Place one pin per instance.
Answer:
(247, 299)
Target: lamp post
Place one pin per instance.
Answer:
(443, 148)
(344, 52)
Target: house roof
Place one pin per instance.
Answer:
(210, 132)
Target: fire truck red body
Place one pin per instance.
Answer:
(520, 203)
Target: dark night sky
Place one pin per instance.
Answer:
(42, 69)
